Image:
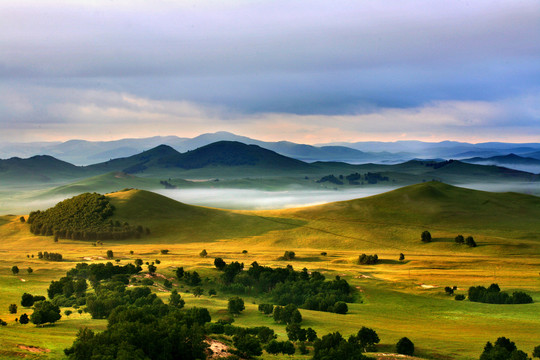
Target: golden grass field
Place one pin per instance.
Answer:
(395, 298)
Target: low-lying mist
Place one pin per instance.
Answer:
(249, 199)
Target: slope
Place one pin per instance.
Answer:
(39, 168)
(175, 222)
(395, 220)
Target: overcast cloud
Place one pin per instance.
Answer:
(324, 71)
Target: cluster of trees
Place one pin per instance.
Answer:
(331, 179)
(334, 346)
(296, 333)
(354, 178)
(504, 349)
(83, 217)
(190, 278)
(469, 241)
(288, 314)
(169, 333)
(287, 286)
(28, 300)
(368, 259)
(494, 295)
(50, 256)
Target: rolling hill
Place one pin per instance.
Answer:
(39, 168)
(175, 222)
(395, 219)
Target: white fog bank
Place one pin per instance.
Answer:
(249, 199)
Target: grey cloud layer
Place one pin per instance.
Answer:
(286, 57)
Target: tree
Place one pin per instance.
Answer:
(45, 312)
(311, 335)
(203, 253)
(401, 257)
(24, 319)
(289, 255)
(27, 300)
(30, 270)
(15, 270)
(367, 338)
(536, 352)
(198, 291)
(180, 272)
(138, 262)
(266, 309)
(13, 308)
(219, 263)
(248, 345)
(449, 290)
(176, 300)
(459, 239)
(292, 331)
(288, 348)
(110, 254)
(236, 305)
(426, 236)
(470, 241)
(244, 251)
(152, 268)
(341, 308)
(503, 349)
(405, 346)
(164, 251)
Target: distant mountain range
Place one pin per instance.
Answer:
(81, 152)
(236, 160)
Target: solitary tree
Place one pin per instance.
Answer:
(110, 254)
(30, 270)
(236, 305)
(24, 319)
(13, 308)
(219, 263)
(459, 239)
(405, 346)
(15, 270)
(401, 257)
(470, 241)
(138, 262)
(426, 236)
(289, 255)
(151, 268)
(203, 253)
(367, 338)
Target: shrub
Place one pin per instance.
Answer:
(164, 251)
(235, 305)
(289, 255)
(13, 308)
(460, 297)
(426, 236)
(405, 346)
(203, 253)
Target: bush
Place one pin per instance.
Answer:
(110, 254)
(460, 297)
(15, 270)
(12, 308)
(164, 251)
(45, 312)
(405, 346)
(368, 259)
(426, 236)
(289, 255)
(203, 253)
(235, 305)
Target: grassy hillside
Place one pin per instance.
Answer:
(500, 221)
(175, 222)
(396, 298)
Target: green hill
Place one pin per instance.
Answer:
(396, 219)
(175, 222)
(222, 154)
(40, 168)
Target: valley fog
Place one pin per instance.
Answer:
(249, 199)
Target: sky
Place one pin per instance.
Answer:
(305, 71)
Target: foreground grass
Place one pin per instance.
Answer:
(393, 302)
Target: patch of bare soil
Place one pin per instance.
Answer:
(33, 349)
(219, 349)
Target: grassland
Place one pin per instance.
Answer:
(394, 298)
